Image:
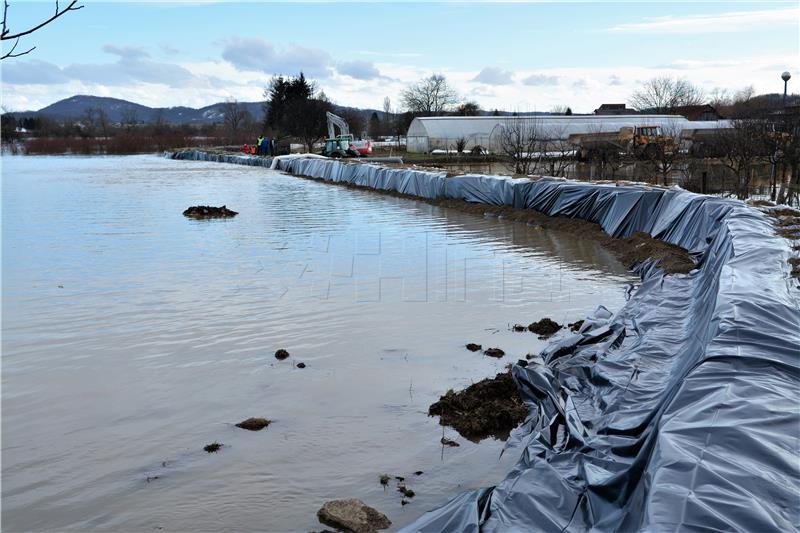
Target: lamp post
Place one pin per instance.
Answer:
(785, 77)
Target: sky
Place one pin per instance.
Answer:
(513, 56)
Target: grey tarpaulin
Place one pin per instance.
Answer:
(680, 411)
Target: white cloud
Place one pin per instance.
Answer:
(359, 70)
(126, 52)
(734, 21)
(494, 76)
(255, 54)
(33, 71)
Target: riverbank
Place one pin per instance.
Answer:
(665, 367)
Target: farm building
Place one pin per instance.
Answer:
(426, 134)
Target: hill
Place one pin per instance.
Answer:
(119, 110)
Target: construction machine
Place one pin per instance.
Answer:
(643, 142)
(339, 145)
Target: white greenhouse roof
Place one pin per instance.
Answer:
(558, 126)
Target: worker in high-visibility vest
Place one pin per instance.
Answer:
(260, 144)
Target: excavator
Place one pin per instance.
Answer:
(343, 145)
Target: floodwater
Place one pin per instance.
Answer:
(133, 336)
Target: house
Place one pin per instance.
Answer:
(614, 109)
(697, 112)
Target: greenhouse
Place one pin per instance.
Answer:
(426, 134)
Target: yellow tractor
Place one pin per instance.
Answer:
(642, 142)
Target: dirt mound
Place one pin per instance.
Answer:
(641, 246)
(545, 327)
(472, 347)
(491, 407)
(281, 354)
(207, 211)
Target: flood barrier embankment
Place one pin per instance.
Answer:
(677, 412)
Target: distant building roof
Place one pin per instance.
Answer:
(697, 112)
(613, 109)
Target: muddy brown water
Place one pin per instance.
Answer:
(133, 336)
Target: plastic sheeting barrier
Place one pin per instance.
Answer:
(680, 411)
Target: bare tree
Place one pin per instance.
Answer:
(518, 138)
(129, 120)
(233, 115)
(430, 96)
(742, 147)
(664, 93)
(559, 153)
(387, 108)
(662, 153)
(7, 35)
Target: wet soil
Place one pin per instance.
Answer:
(489, 408)
(472, 347)
(207, 211)
(281, 354)
(631, 251)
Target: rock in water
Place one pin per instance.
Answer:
(281, 354)
(352, 515)
(207, 211)
(472, 347)
(254, 424)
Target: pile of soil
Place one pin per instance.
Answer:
(546, 327)
(494, 352)
(489, 408)
(207, 211)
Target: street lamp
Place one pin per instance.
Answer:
(785, 77)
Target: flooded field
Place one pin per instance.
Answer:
(133, 337)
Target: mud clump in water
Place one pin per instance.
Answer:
(352, 515)
(254, 424)
(494, 352)
(384, 479)
(519, 327)
(472, 347)
(207, 211)
(405, 491)
(449, 442)
(281, 354)
(213, 447)
(575, 326)
(301, 365)
(491, 407)
(546, 327)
